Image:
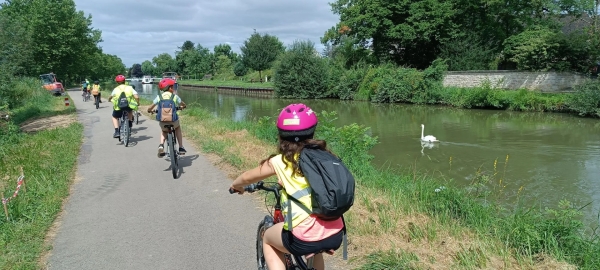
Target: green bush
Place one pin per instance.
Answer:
(536, 49)
(15, 91)
(300, 73)
(586, 100)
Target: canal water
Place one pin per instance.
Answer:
(531, 158)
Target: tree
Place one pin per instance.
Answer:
(239, 69)
(64, 39)
(414, 33)
(164, 62)
(147, 68)
(181, 56)
(260, 51)
(187, 45)
(223, 49)
(301, 73)
(405, 32)
(223, 65)
(136, 71)
(16, 47)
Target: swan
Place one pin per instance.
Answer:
(427, 138)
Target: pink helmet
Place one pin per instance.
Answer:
(297, 122)
(120, 78)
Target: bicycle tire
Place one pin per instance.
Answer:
(97, 100)
(127, 132)
(261, 263)
(137, 118)
(172, 154)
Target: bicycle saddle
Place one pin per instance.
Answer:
(330, 252)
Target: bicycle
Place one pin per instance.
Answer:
(86, 95)
(125, 131)
(97, 101)
(136, 117)
(173, 153)
(292, 262)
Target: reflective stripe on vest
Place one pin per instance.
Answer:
(297, 209)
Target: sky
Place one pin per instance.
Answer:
(137, 30)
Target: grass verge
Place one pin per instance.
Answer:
(407, 220)
(48, 158)
(230, 83)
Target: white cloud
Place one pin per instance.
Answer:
(139, 30)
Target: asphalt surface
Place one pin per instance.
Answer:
(127, 212)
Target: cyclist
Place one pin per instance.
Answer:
(132, 98)
(166, 86)
(296, 124)
(95, 88)
(84, 87)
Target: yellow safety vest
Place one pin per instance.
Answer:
(296, 187)
(95, 89)
(128, 93)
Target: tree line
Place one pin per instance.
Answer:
(258, 53)
(538, 35)
(43, 36)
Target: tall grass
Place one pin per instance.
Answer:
(47, 158)
(524, 232)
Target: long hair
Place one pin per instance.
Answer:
(291, 150)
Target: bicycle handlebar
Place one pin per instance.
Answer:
(260, 185)
(178, 108)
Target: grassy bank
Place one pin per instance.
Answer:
(229, 83)
(407, 220)
(48, 158)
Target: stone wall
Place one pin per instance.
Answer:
(537, 81)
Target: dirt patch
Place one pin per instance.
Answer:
(35, 125)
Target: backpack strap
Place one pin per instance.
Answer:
(344, 241)
(289, 216)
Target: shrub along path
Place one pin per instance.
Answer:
(127, 212)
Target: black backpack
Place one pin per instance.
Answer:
(331, 183)
(123, 102)
(332, 187)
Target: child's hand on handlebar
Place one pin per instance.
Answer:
(234, 190)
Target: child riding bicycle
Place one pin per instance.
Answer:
(96, 91)
(310, 235)
(166, 85)
(132, 102)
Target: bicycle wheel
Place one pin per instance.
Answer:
(97, 99)
(260, 256)
(126, 130)
(172, 154)
(137, 117)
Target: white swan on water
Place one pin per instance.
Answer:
(427, 138)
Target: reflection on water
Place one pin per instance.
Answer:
(550, 156)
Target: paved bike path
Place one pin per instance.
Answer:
(127, 212)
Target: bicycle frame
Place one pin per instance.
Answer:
(277, 217)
